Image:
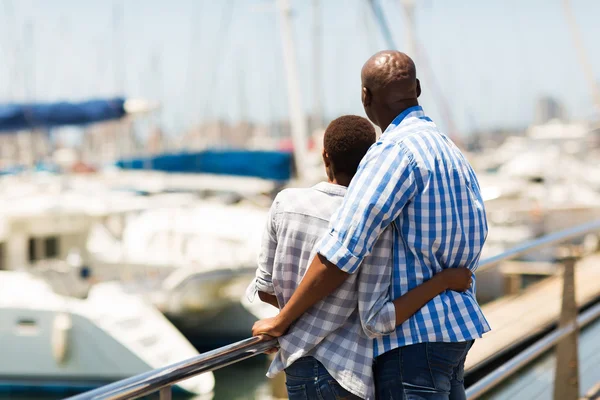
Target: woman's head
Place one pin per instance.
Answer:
(345, 143)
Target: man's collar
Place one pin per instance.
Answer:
(331, 188)
(416, 112)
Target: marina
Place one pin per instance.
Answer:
(130, 226)
(513, 317)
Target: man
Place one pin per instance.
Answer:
(327, 350)
(416, 178)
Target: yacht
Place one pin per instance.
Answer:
(199, 258)
(54, 340)
(188, 253)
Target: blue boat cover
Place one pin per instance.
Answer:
(272, 165)
(14, 117)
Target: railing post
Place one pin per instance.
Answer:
(165, 393)
(566, 379)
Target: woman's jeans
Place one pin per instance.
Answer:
(307, 379)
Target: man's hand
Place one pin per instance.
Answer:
(266, 338)
(321, 279)
(274, 327)
(457, 279)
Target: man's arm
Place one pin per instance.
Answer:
(379, 315)
(263, 281)
(321, 279)
(385, 182)
(379, 321)
(457, 279)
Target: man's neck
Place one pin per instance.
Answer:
(341, 180)
(395, 110)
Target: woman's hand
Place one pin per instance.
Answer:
(458, 279)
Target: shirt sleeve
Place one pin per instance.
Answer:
(375, 307)
(386, 180)
(263, 280)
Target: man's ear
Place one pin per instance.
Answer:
(418, 88)
(366, 97)
(326, 160)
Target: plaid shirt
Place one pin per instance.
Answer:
(416, 177)
(331, 331)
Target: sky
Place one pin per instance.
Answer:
(487, 61)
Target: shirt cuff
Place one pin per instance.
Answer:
(337, 254)
(259, 285)
(384, 324)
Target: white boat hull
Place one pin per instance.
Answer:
(47, 339)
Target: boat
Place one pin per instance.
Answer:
(39, 119)
(547, 178)
(22, 116)
(543, 181)
(199, 259)
(270, 165)
(189, 253)
(51, 340)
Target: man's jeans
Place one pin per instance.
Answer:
(424, 371)
(307, 379)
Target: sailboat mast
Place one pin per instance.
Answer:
(419, 55)
(117, 47)
(317, 86)
(409, 28)
(29, 81)
(297, 115)
(582, 54)
(29, 62)
(11, 49)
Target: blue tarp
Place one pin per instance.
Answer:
(273, 165)
(15, 117)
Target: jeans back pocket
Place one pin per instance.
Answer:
(297, 392)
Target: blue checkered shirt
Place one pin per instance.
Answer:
(417, 178)
(338, 330)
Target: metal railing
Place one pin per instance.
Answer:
(161, 380)
(565, 337)
(545, 241)
(528, 355)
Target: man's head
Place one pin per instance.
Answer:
(389, 86)
(345, 143)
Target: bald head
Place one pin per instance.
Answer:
(390, 73)
(389, 81)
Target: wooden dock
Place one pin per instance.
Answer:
(514, 317)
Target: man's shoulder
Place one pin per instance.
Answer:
(307, 201)
(422, 142)
(291, 196)
(408, 138)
